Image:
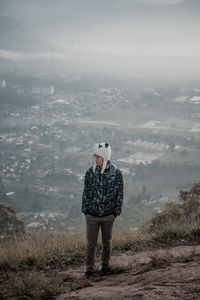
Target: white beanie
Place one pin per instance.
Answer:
(103, 150)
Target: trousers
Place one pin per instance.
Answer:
(93, 224)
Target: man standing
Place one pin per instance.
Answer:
(101, 203)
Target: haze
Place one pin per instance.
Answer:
(147, 39)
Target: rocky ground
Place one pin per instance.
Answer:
(172, 273)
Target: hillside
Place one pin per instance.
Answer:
(165, 272)
(159, 261)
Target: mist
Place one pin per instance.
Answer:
(145, 39)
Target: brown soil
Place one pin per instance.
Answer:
(174, 275)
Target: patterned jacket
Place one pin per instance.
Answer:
(103, 193)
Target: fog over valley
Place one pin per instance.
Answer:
(146, 39)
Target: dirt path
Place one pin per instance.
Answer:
(161, 274)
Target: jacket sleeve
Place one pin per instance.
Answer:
(120, 194)
(87, 191)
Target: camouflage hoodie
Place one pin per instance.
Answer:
(103, 193)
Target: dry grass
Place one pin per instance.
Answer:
(42, 249)
(36, 268)
(160, 258)
(38, 285)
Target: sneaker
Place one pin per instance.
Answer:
(106, 270)
(89, 273)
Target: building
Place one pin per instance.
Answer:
(3, 83)
(45, 91)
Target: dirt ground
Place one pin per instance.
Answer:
(172, 273)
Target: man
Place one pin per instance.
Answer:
(101, 203)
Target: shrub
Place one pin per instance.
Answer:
(178, 221)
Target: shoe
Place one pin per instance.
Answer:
(89, 273)
(106, 270)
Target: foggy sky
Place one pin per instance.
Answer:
(144, 38)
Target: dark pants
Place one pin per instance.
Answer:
(92, 228)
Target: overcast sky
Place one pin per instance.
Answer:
(144, 38)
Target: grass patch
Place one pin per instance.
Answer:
(43, 250)
(160, 259)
